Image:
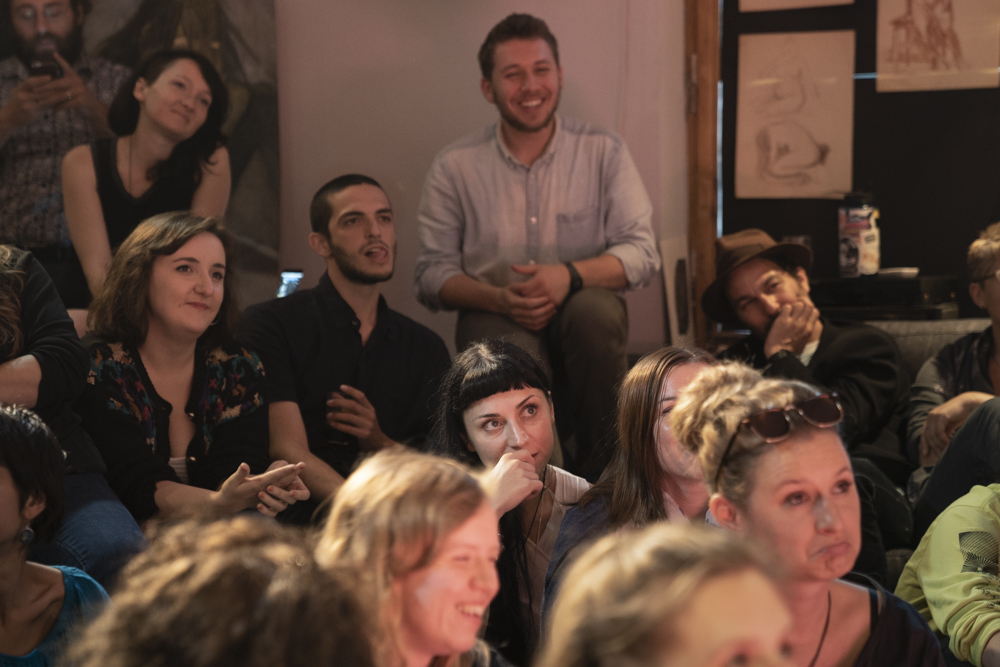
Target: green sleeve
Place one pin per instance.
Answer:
(959, 578)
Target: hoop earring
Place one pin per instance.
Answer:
(27, 536)
(218, 316)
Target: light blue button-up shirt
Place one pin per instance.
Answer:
(482, 210)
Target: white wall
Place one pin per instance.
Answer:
(380, 86)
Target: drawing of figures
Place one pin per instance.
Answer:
(938, 44)
(925, 33)
(795, 114)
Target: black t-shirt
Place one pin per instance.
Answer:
(122, 211)
(900, 637)
(310, 343)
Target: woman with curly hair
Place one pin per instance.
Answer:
(169, 155)
(235, 593)
(781, 477)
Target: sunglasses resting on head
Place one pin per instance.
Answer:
(775, 424)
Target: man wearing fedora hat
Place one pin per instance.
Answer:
(763, 286)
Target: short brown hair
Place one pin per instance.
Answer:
(120, 311)
(984, 254)
(244, 592)
(515, 26)
(622, 597)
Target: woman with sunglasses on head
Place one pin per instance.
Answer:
(495, 411)
(169, 155)
(780, 475)
(650, 477)
(175, 406)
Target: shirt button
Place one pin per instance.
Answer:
(534, 220)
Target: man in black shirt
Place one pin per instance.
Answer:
(345, 373)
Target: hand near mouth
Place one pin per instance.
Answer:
(512, 480)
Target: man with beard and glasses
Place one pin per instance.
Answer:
(763, 286)
(532, 227)
(41, 118)
(346, 375)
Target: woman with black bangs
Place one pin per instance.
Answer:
(495, 410)
(169, 155)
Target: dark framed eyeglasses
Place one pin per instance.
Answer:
(775, 424)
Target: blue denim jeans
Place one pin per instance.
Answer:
(98, 535)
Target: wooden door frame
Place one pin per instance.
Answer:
(702, 54)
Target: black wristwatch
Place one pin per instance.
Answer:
(575, 280)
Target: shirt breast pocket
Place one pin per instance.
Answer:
(580, 230)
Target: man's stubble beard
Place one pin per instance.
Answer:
(69, 47)
(356, 275)
(516, 123)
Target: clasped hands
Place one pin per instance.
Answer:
(533, 302)
(35, 94)
(272, 491)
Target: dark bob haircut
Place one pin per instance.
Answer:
(480, 371)
(483, 369)
(186, 159)
(29, 451)
(321, 210)
(120, 310)
(515, 26)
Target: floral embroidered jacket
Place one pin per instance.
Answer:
(129, 422)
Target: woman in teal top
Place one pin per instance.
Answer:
(40, 605)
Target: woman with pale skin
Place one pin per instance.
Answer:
(651, 477)
(780, 477)
(668, 595)
(173, 404)
(495, 412)
(169, 155)
(421, 534)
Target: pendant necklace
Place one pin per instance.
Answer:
(826, 626)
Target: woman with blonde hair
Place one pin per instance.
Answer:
(780, 475)
(668, 595)
(422, 535)
(174, 405)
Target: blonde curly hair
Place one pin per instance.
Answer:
(709, 411)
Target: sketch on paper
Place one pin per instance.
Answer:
(795, 115)
(938, 44)
(768, 5)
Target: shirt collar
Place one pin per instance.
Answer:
(344, 316)
(547, 154)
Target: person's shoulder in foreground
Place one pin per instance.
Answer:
(953, 577)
